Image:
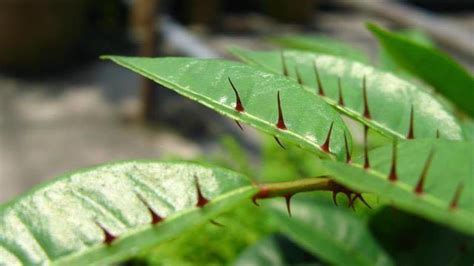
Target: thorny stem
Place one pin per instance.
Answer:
(281, 189)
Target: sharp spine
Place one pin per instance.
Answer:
(341, 98)
(348, 152)
(366, 152)
(283, 61)
(411, 134)
(326, 145)
(318, 80)
(457, 195)
(201, 200)
(365, 98)
(393, 169)
(238, 103)
(279, 143)
(281, 122)
(421, 181)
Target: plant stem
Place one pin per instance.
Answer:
(288, 188)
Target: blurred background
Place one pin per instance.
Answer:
(61, 108)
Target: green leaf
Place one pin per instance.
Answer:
(65, 221)
(389, 97)
(449, 173)
(265, 252)
(334, 234)
(468, 129)
(308, 119)
(433, 66)
(321, 44)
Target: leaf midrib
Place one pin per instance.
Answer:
(212, 104)
(375, 125)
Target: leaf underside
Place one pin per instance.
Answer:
(431, 65)
(307, 119)
(449, 179)
(389, 98)
(336, 235)
(105, 214)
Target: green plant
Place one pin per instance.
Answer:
(424, 167)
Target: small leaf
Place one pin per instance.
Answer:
(104, 214)
(389, 98)
(321, 44)
(447, 179)
(334, 234)
(433, 66)
(271, 103)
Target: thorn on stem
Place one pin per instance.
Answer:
(366, 101)
(326, 144)
(238, 103)
(288, 203)
(298, 76)
(279, 143)
(201, 200)
(318, 79)
(239, 125)
(155, 218)
(411, 134)
(348, 152)
(457, 196)
(366, 149)
(339, 85)
(261, 194)
(108, 237)
(421, 182)
(281, 123)
(393, 169)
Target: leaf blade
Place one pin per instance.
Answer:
(389, 97)
(431, 65)
(207, 81)
(52, 224)
(452, 167)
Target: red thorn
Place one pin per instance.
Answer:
(348, 153)
(419, 186)
(336, 188)
(325, 146)
(366, 101)
(411, 134)
(359, 196)
(279, 143)
(393, 170)
(366, 152)
(201, 200)
(298, 76)
(283, 62)
(108, 237)
(341, 99)
(216, 223)
(155, 218)
(239, 125)
(318, 80)
(261, 194)
(281, 123)
(457, 196)
(288, 203)
(238, 103)
(437, 134)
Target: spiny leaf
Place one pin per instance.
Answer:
(433, 66)
(105, 214)
(321, 44)
(270, 102)
(389, 98)
(429, 174)
(334, 234)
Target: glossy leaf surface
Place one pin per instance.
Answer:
(307, 119)
(433, 66)
(447, 192)
(333, 234)
(111, 212)
(389, 98)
